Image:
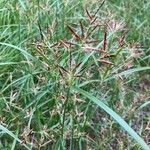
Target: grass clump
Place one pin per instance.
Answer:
(57, 58)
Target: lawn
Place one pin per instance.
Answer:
(74, 75)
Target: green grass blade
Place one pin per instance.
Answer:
(124, 73)
(144, 105)
(115, 116)
(128, 72)
(14, 143)
(85, 59)
(22, 4)
(5, 130)
(24, 52)
(10, 63)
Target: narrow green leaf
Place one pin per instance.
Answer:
(14, 143)
(124, 73)
(115, 116)
(145, 104)
(127, 72)
(5, 130)
(22, 4)
(85, 59)
(24, 52)
(10, 63)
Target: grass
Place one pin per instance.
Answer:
(74, 74)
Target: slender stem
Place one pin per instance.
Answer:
(72, 132)
(65, 109)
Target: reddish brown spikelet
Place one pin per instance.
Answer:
(57, 44)
(61, 72)
(82, 30)
(93, 49)
(105, 41)
(121, 40)
(94, 20)
(73, 32)
(108, 56)
(40, 30)
(78, 64)
(88, 14)
(92, 41)
(63, 43)
(99, 8)
(106, 61)
(62, 68)
(71, 43)
(88, 34)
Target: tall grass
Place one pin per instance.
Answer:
(57, 58)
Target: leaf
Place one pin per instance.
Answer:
(85, 59)
(17, 82)
(144, 105)
(46, 89)
(22, 4)
(114, 115)
(5, 130)
(10, 63)
(24, 52)
(127, 72)
(73, 32)
(14, 143)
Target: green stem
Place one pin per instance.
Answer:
(65, 109)
(72, 132)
